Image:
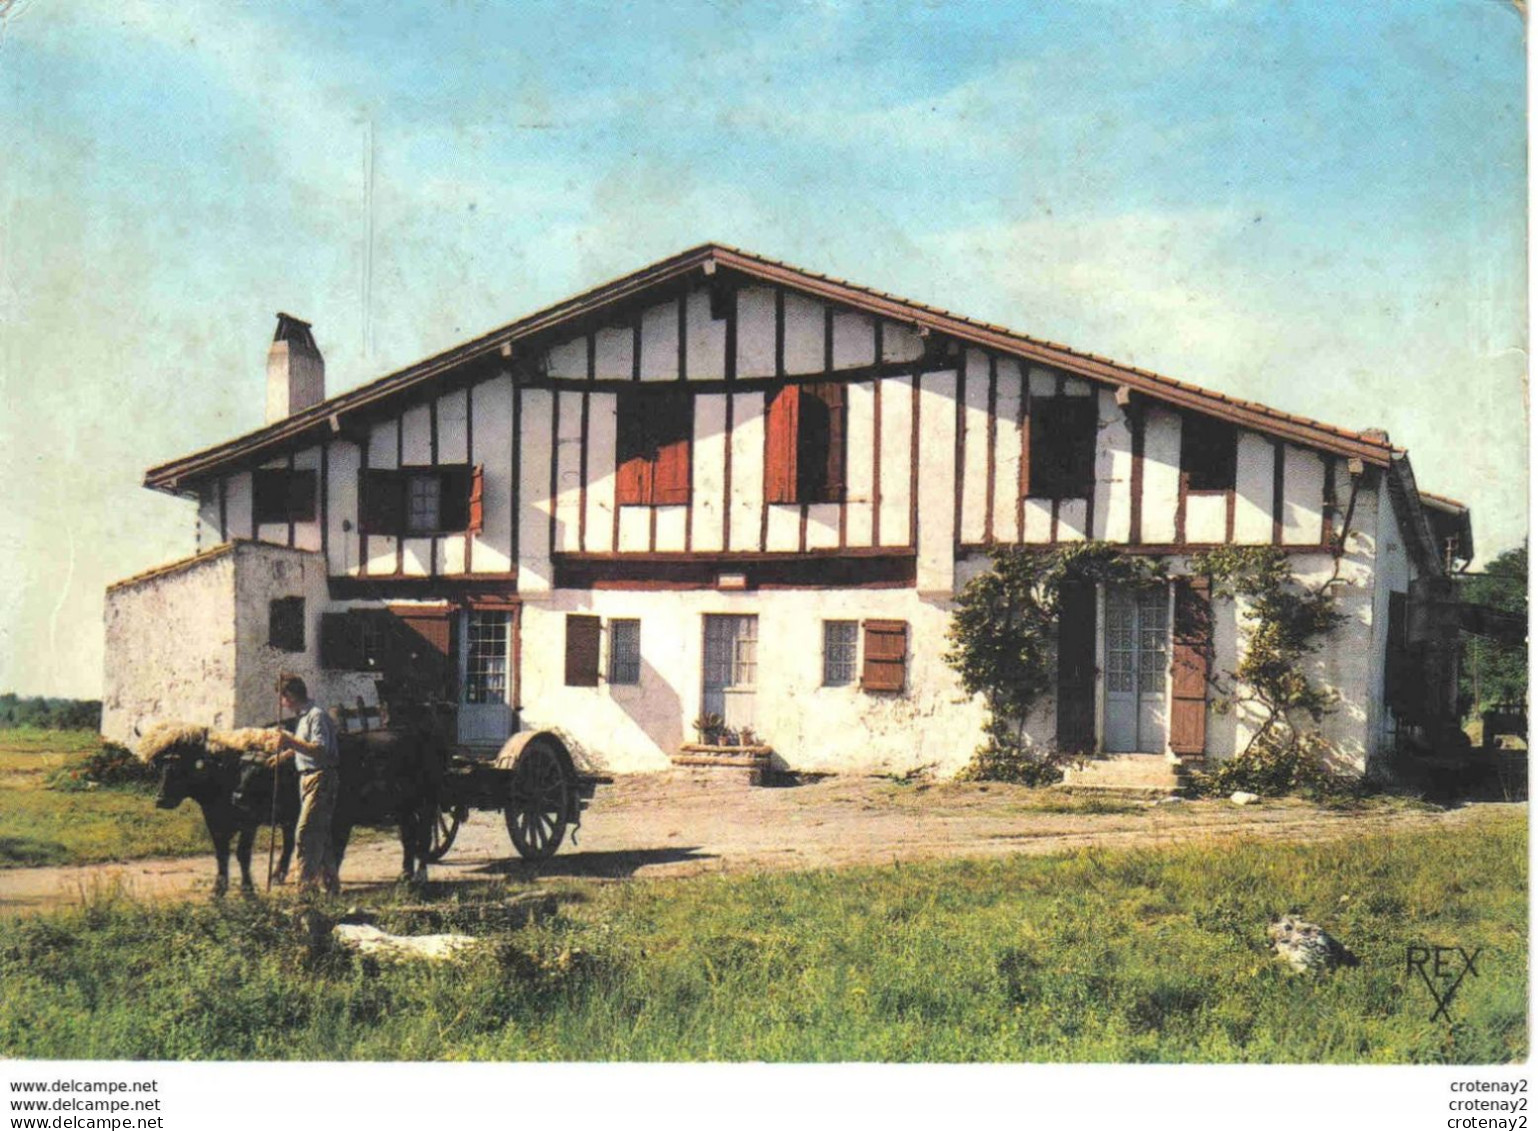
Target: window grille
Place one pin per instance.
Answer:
(840, 648)
(486, 657)
(625, 651)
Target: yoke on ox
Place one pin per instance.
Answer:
(387, 777)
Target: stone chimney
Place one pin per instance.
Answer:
(296, 373)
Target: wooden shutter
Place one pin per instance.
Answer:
(477, 500)
(381, 502)
(783, 425)
(886, 655)
(673, 424)
(1076, 669)
(340, 642)
(422, 648)
(581, 650)
(634, 454)
(1083, 421)
(1190, 657)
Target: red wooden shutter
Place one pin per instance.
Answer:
(1076, 669)
(1190, 657)
(886, 655)
(672, 424)
(581, 650)
(424, 648)
(477, 500)
(780, 446)
(633, 453)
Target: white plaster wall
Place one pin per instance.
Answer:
(264, 574)
(1302, 497)
(1254, 483)
(568, 359)
(416, 451)
(782, 530)
(382, 455)
(170, 650)
(1113, 472)
(747, 442)
(208, 533)
(602, 418)
(1161, 475)
(672, 528)
(534, 567)
(492, 404)
(708, 497)
(897, 458)
(860, 403)
(755, 332)
(659, 342)
(900, 342)
(568, 500)
(854, 340)
(342, 507)
(805, 335)
(614, 353)
(633, 729)
(1374, 526)
(1007, 451)
(974, 464)
(936, 567)
(1206, 518)
(822, 526)
(705, 340)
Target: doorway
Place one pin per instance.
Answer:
(485, 705)
(1137, 641)
(731, 669)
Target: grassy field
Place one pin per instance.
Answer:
(42, 825)
(1090, 956)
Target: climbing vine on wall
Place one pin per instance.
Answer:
(1003, 637)
(1285, 620)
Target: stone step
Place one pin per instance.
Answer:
(1151, 773)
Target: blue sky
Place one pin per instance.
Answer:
(1317, 205)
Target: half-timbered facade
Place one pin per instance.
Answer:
(724, 486)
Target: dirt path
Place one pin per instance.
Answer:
(666, 825)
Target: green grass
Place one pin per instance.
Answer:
(40, 825)
(1153, 955)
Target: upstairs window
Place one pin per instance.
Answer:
(840, 652)
(652, 448)
(285, 624)
(805, 445)
(1062, 448)
(421, 501)
(282, 494)
(624, 651)
(1208, 453)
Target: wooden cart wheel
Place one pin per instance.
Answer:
(539, 800)
(445, 828)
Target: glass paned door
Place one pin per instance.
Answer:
(485, 678)
(731, 668)
(1137, 635)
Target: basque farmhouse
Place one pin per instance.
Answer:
(726, 494)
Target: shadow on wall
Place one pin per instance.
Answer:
(654, 706)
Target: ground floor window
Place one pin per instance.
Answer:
(840, 648)
(624, 651)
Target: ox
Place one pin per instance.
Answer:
(387, 777)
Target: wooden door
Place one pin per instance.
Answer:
(1076, 669)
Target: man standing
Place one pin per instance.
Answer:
(313, 748)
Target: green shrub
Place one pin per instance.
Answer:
(109, 765)
(1273, 767)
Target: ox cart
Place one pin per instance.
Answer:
(533, 781)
